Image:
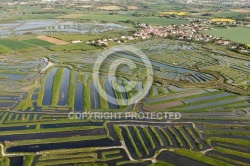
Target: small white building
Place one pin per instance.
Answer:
(76, 41)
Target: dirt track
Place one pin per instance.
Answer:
(52, 40)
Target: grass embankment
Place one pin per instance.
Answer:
(149, 137)
(86, 91)
(56, 86)
(8, 118)
(80, 77)
(193, 137)
(221, 126)
(175, 136)
(166, 136)
(138, 135)
(197, 132)
(27, 160)
(115, 155)
(229, 140)
(161, 91)
(83, 159)
(117, 92)
(103, 98)
(199, 157)
(3, 116)
(56, 140)
(234, 162)
(66, 156)
(118, 132)
(150, 94)
(158, 138)
(57, 152)
(41, 92)
(232, 152)
(24, 104)
(49, 130)
(184, 137)
(72, 87)
(221, 132)
(137, 152)
(129, 162)
(191, 96)
(4, 161)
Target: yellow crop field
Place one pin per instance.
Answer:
(222, 20)
(173, 13)
(248, 45)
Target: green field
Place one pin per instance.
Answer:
(239, 35)
(3, 49)
(87, 37)
(230, 14)
(16, 45)
(38, 42)
(71, 47)
(22, 45)
(148, 20)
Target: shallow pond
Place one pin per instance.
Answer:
(178, 160)
(11, 128)
(18, 137)
(16, 161)
(109, 90)
(13, 76)
(78, 103)
(48, 87)
(60, 125)
(65, 145)
(225, 94)
(63, 94)
(6, 104)
(213, 104)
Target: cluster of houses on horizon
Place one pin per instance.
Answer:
(188, 32)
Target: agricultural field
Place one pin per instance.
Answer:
(16, 45)
(124, 18)
(239, 35)
(173, 13)
(241, 10)
(51, 40)
(71, 16)
(109, 8)
(222, 20)
(54, 104)
(23, 45)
